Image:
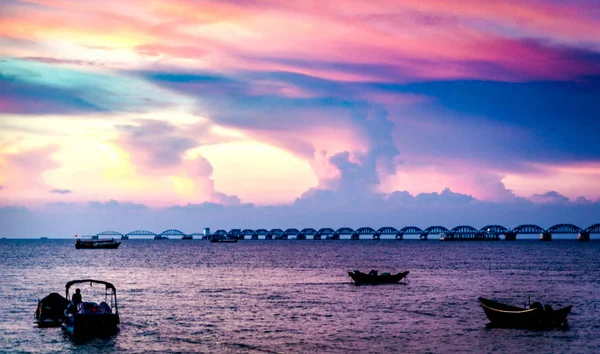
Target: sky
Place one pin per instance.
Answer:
(244, 114)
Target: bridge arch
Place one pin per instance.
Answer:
(171, 232)
(464, 229)
(260, 232)
(306, 232)
(248, 232)
(235, 233)
(326, 231)
(345, 231)
(435, 230)
(275, 234)
(366, 231)
(565, 229)
(386, 230)
(291, 232)
(110, 233)
(140, 233)
(528, 229)
(410, 230)
(593, 229)
(495, 229)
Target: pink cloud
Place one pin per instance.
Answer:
(447, 39)
(21, 174)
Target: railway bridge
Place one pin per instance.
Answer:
(490, 232)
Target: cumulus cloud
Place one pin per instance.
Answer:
(399, 209)
(159, 148)
(154, 144)
(549, 197)
(115, 205)
(23, 170)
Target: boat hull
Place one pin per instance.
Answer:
(360, 278)
(91, 324)
(97, 245)
(505, 316)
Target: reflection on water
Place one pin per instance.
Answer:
(296, 296)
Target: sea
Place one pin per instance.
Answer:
(295, 296)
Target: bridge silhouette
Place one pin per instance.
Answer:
(458, 233)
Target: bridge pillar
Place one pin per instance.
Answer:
(301, 237)
(376, 237)
(241, 237)
(545, 236)
(269, 237)
(124, 237)
(399, 236)
(510, 236)
(316, 237)
(583, 236)
(423, 237)
(355, 237)
(254, 237)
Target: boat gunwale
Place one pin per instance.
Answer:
(507, 311)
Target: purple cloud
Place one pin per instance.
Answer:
(549, 197)
(115, 205)
(47, 60)
(154, 144)
(61, 191)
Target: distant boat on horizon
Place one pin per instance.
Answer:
(43, 238)
(223, 240)
(97, 244)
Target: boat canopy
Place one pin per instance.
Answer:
(107, 284)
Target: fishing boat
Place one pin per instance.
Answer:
(223, 240)
(374, 278)
(187, 237)
(536, 316)
(90, 318)
(95, 242)
(50, 310)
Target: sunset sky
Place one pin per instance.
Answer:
(189, 114)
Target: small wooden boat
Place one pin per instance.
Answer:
(96, 243)
(537, 316)
(90, 318)
(373, 278)
(50, 310)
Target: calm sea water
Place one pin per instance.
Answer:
(296, 296)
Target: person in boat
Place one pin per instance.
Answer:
(76, 297)
(75, 300)
(373, 273)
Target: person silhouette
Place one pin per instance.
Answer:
(76, 297)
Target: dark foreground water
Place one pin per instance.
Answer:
(296, 296)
